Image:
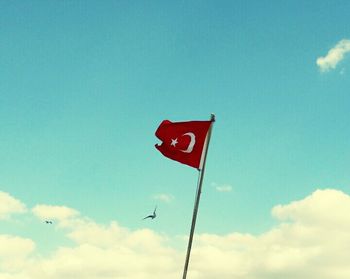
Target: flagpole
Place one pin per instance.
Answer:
(198, 195)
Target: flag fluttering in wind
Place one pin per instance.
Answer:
(183, 141)
(187, 143)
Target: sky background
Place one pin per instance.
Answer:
(85, 84)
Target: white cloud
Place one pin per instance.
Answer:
(322, 208)
(108, 252)
(163, 197)
(222, 188)
(311, 240)
(14, 252)
(60, 213)
(334, 56)
(9, 205)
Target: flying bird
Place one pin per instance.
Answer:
(152, 216)
(48, 222)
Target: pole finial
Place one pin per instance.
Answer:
(212, 117)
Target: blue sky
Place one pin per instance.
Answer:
(85, 84)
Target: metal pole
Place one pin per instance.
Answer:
(198, 195)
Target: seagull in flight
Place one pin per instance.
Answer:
(152, 216)
(48, 222)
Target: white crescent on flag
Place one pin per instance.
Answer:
(192, 142)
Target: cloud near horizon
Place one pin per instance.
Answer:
(311, 240)
(334, 56)
(47, 212)
(9, 206)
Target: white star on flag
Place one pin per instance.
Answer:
(173, 142)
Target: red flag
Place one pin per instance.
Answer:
(183, 141)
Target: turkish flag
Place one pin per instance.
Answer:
(183, 141)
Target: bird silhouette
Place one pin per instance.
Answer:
(152, 216)
(48, 222)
